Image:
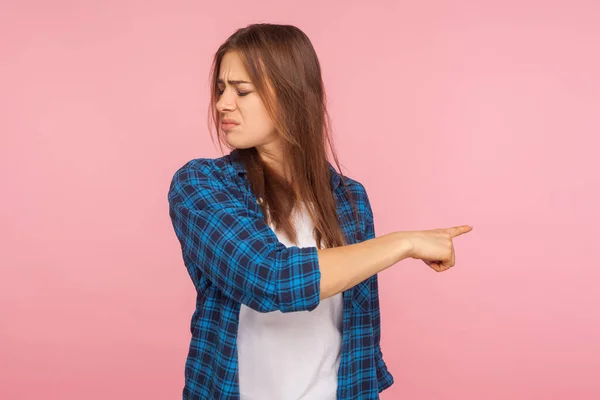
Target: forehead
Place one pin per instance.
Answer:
(232, 68)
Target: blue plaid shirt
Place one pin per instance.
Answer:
(233, 257)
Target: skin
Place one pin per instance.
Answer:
(241, 102)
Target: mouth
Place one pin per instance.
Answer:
(228, 126)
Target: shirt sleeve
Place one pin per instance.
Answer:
(384, 377)
(235, 248)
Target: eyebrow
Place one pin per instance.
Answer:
(235, 82)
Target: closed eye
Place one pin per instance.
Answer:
(242, 94)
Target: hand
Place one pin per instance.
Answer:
(435, 246)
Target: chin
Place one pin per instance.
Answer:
(238, 144)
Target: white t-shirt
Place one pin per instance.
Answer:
(291, 356)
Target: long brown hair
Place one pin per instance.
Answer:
(285, 70)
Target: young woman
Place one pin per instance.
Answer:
(280, 247)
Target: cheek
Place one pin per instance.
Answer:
(258, 117)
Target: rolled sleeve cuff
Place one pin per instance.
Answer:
(299, 279)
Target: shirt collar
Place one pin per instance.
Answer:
(240, 169)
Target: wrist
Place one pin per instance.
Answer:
(404, 245)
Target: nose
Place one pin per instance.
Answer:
(226, 102)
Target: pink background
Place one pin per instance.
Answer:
(450, 112)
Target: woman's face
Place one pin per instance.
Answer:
(239, 101)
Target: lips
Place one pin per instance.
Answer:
(228, 126)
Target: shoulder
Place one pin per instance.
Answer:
(203, 170)
(206, 178)
(356, 187)
(199, 165)
(193, 172)
(358, 191)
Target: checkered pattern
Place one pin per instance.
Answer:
(233, 257)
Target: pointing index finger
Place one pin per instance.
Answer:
(459, 230)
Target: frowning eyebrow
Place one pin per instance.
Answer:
(236, 82)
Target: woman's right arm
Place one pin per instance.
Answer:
(231, 246)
